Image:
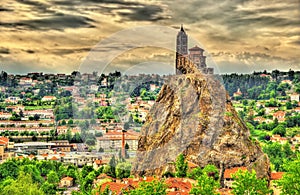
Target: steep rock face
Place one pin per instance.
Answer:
(193, 115)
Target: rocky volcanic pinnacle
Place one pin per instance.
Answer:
(193, 115)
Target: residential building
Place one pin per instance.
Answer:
(112, 140)
(279, 115)
(66, 182)
(279, 139)
(48, 98)
(295, 97)
(62, 145)
(12, 99)
(228, 180)
(275, 176)
(238, 93)
(5, 147)
(5, 115)
(296, 140)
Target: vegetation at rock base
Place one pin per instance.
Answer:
(247, 183)
(205, 185)
(154, 187)
(181, 166)
(290, 183)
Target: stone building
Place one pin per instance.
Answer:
(195, 56)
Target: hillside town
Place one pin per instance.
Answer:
(93, 122)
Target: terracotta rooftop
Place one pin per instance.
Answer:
(103, 176)
(228, 172)
(67, 179)
(277, 175)
(4, 140)
(114, 187)
(177, 193)
(179, 184)
(54, 158)
(98, 162)
(195, 48)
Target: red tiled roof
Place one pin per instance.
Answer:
(228, 172)
(277, 175)
(177, 193)
(179, 184)
(114, 187)
(103, 176)
(279, 113)
(67, 179)
(54, 158)
(196, 48)
(49, 97)
(135, 181)
(4, 140)
(98, 162)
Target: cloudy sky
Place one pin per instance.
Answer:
(58, 35)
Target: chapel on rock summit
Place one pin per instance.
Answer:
(194, 57)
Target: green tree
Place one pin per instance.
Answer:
(63, 122)
(206, 185)
(195, 173)
(112, 167)
(33, 171)
(211, 170)
(9, 169)
(98, 191)
(288, 105)
(62, 171)
(52, 177)
(69, 135)
(290, 183)
(126, 125)
(126, 146)
(49, 188)
(36, 117)
(280, 130)
(181, 166)
(23, 185)
(123, 170)
(87, 182)
(86, 170)
(72, 173)
(247, 183)
(45, 167)
(70, 122)
(149, 188)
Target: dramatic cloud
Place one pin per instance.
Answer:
(240, 35)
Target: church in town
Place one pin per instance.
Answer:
(194, 57)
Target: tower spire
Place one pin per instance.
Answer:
(182, 28)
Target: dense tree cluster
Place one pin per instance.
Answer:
(279, 154)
